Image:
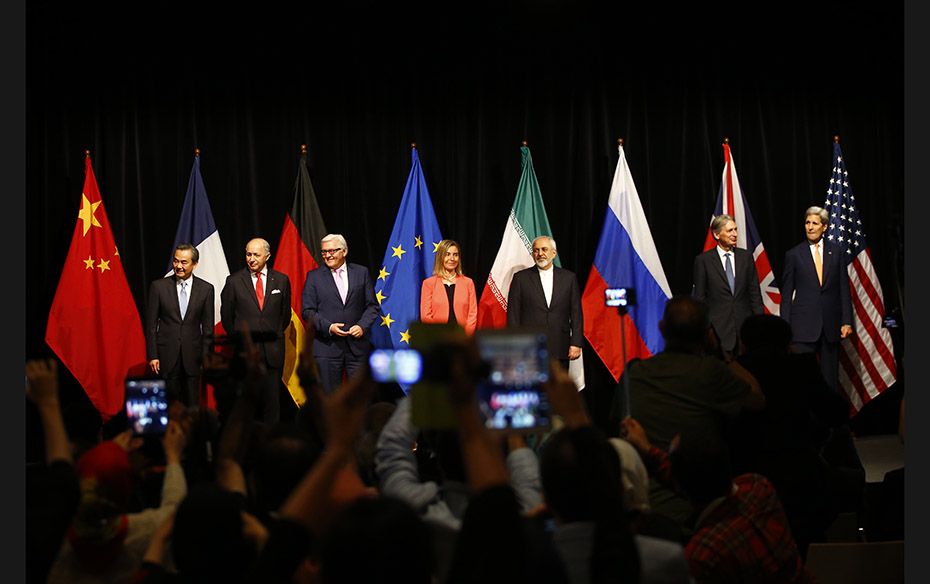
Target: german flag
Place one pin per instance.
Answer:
(298, 252)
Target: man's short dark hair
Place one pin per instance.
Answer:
(701, 467)
(765, 332)
(195, 253)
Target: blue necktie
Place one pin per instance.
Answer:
(183, 299)
(728, 268)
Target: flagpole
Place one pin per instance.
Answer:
(622, 310)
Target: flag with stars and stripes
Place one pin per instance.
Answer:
(867, 364)
(408, 260)
(732, 201)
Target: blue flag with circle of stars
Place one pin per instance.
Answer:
(408, 260)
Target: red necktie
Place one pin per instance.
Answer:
(259, 290)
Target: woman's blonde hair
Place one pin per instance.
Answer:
(444, 246)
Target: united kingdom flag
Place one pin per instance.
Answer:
(730, 200)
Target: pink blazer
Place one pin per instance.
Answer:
(434, 304)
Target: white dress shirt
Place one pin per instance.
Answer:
(545, 276)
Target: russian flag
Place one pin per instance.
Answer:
(626, 257)
(732, 201)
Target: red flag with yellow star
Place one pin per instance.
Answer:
(94, 325)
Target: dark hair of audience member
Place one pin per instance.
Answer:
(376, 416)
(207, 540)
(701, 467)
(280, 462)
(439, 456)
(377, 540)
(766, 332)
(581, 479)
(684, 322)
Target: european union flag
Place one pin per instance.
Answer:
(408, 260)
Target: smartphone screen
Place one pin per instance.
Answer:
(615, 297)
(147, 406)
(395, 365)
(512, 397)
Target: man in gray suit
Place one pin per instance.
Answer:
(548, 297)
(725, 279)
(179, 319)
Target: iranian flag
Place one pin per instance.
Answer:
(527, 221)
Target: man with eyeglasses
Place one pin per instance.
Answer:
(339, 306)
(546, 296)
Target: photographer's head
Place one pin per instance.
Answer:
(684, 323)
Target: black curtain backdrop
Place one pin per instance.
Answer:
(142, 86)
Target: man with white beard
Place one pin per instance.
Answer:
(547, 296)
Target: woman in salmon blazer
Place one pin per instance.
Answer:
(449, 286)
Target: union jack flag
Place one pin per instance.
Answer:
(730, 200)
(867, 365)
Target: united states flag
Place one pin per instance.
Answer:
(867, 365)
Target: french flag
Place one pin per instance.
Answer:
(626, 257)
(198, 228)
(732, 201)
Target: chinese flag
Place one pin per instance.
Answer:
(94, 325)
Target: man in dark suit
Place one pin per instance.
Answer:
(179, 323)
(815, 297)
(260, 298)
(725, 279)
(549, 297)
(339, 301)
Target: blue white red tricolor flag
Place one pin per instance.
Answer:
(867, 365)
(626, 257)
(198, 228)
(730, 200)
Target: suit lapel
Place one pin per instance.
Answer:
(348, 284)
(741, 266)
(171, 289)
(538, 287)
(250, 289)
(195, 293)
(718, 267)
(827, 263)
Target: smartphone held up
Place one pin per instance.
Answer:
(146, 406)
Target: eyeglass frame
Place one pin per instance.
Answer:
(331, 252)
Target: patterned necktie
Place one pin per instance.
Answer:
(183, 299)
(342, 285)
(731, 278)
(818, 264)
(259, 290)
